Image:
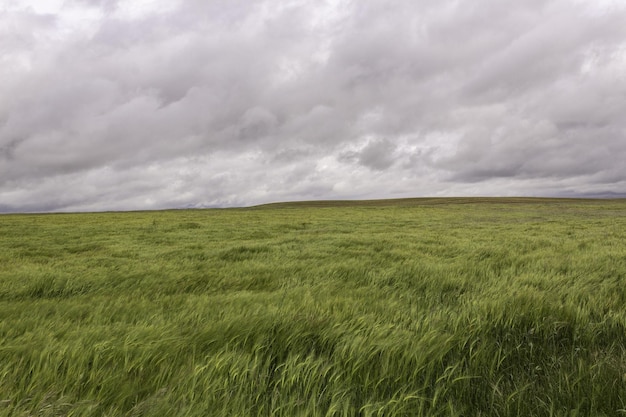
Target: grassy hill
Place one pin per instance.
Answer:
(413, 307)
(409, 202)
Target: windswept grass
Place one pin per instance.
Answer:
(424, 307)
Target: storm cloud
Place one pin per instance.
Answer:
(110, 105)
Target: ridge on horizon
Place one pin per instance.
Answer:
(379, 202)
(424, 201)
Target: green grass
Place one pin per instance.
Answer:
(420, 307)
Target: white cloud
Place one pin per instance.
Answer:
(150, 104)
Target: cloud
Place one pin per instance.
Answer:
(109, 105)
(376, 154)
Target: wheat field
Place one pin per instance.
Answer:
(414, 307)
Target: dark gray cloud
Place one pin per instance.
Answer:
(377, 154)
(153, 104)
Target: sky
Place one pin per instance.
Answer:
(153, 104)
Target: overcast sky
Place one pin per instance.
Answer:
(148, 104)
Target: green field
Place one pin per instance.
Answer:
(419, 307)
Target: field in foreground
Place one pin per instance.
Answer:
(457, 307)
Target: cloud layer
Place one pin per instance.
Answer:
(155, 104)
